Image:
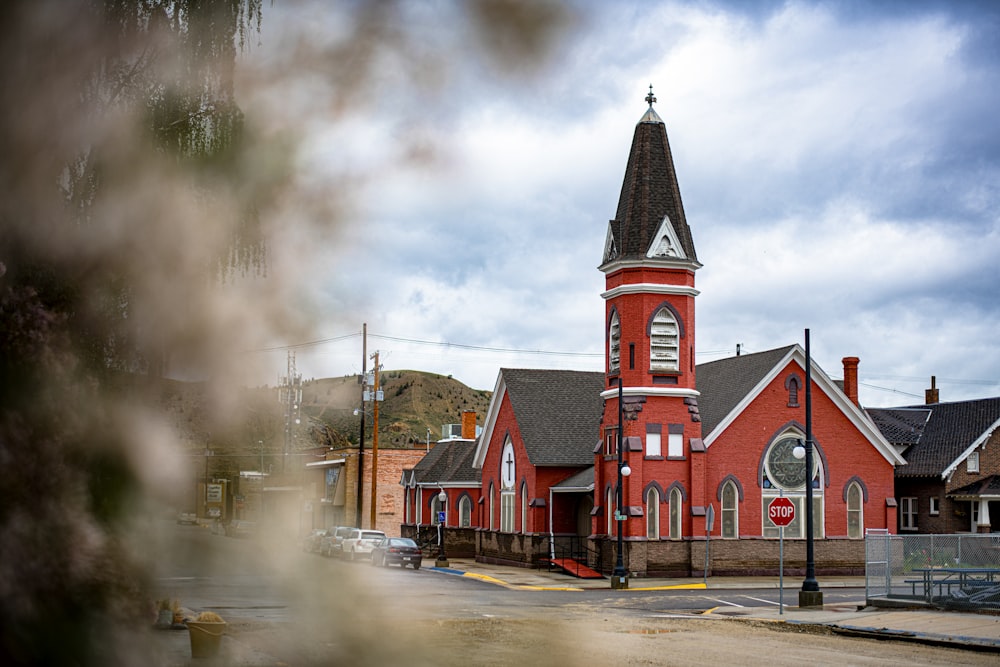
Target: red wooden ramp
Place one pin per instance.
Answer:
(576, 568)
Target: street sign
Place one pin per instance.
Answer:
(781, 511)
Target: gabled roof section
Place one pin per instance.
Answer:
(581, 481)
(724, 383)
(650, 195)
(557, 412)
(729, 386)
(450, 462)
(951, 432)
(989, 486)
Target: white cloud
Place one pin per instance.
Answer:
(833, 171)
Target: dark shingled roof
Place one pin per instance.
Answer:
(449, 461)
(581, 480)
(951, 428)
(987, 486)
(558, 413)
(649, 193)
(900, 426)
(726, 382)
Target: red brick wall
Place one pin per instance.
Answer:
(739, 449)
(505, 425)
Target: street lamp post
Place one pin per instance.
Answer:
(442, 559)
(619, 576)
(810, 595)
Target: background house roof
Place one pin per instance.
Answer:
(724, 383)
(900, 426)
(951, 428)
(450, 461)
(558, 413)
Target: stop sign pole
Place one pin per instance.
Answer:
(781, 512)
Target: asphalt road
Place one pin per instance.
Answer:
(295, 608)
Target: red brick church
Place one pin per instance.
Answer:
(705, 441)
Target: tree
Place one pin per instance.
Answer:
(136, 201)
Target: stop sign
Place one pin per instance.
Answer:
(781, 511)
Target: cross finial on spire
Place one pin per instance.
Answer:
(650, 98)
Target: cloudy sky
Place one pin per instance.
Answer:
(839, 164)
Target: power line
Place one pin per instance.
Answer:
(484, 348)
(891, 391)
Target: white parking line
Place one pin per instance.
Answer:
(748, 597)
(731, 604)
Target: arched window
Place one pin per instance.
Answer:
(465, 512)
(663, 342)
(524, 508)
(609, 509)
(614, 344)
(491, 506)
(730, 511)
(652, 514)
(435, 508)
(675, 514)
(855, 512)
(785, 474)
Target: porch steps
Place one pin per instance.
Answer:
(576, 568)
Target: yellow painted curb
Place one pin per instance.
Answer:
(675, 587)
(483, 577)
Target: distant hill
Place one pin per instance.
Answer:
(244, 430)
(415, 402)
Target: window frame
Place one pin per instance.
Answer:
(972, 463)
(676, 514)
(652, 513)
(508, 507)
(609, 502)
(855, 493)
(733, 512)
(465, 512)
(614, 343)
(664, 342)
(524, 508)
(909, 508)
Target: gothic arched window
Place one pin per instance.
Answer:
(663, 342)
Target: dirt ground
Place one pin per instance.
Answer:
(586, 639)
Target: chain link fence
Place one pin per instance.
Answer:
(950, 571)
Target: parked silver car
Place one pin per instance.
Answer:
(330, 543)
(359, 543)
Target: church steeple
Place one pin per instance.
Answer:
(650, 222)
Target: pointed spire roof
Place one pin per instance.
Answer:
(650, 222)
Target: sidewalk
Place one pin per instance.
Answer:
(969, 630)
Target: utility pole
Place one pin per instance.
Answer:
(376, 399)
(361, 440)
(290, 394)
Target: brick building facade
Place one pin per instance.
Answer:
(699, 441)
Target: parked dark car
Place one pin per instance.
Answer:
(401, 551)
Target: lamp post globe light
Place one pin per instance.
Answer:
(442, 559)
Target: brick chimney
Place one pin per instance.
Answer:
(469, 425)
(931, 395)
(851, 378)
